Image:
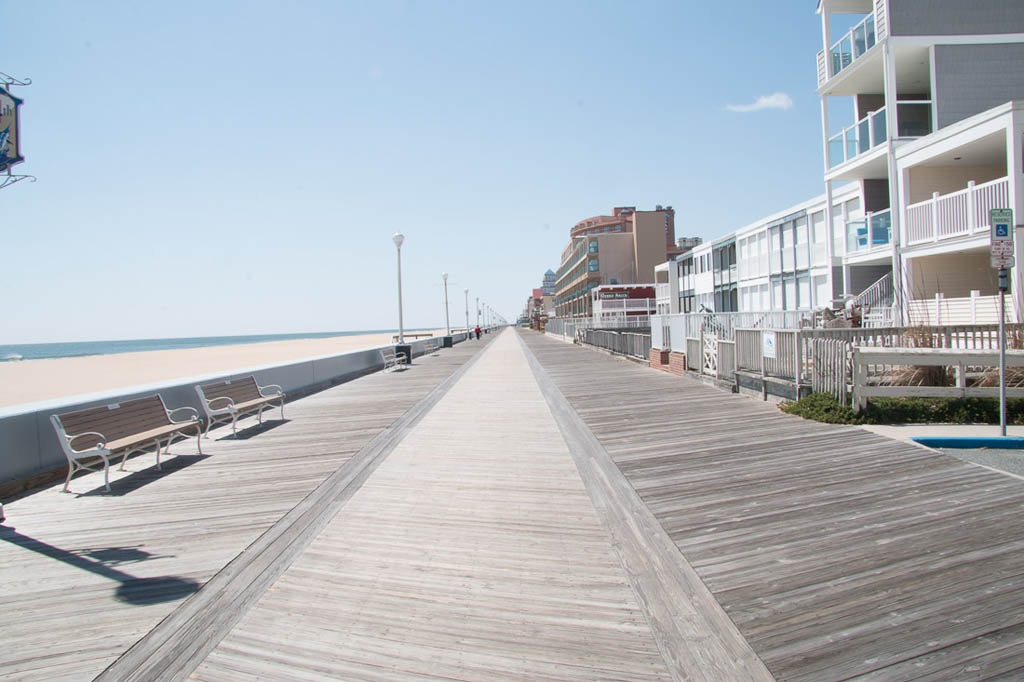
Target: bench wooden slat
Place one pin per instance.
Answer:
(245, 396)
(130, 416)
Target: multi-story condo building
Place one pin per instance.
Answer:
(933, 94)
(934, 142)
(622, 248)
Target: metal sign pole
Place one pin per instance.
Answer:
(1001, 231)
(1003, 281)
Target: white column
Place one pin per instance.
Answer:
(1015, 168)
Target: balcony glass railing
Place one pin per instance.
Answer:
(865, 134)
(855, 43)
(913, 118)
(870, 233)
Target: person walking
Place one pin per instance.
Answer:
(477, 331)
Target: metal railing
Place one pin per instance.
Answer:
(872, 232)
(865, 134)
(852, 45)
(630, 344)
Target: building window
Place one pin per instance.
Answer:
(593, 246)
(594, 265)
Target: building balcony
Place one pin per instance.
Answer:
(872, 232)
(913, 119)
(960, 214)
(663, 292)
(847, 50)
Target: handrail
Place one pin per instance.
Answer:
(858, 39)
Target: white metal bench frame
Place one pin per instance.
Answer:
(393, 360)
(75, 457)
(228, 409)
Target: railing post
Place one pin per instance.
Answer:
(938, 309)
(935, 216)
(971, 227)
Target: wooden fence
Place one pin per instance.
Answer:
(876, 372)
(823, 358)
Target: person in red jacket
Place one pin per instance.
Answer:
(477, 331)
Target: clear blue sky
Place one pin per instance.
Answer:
(210, 168)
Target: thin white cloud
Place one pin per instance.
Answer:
(776, 100)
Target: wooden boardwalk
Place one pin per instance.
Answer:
(522, 510)
(83, 577)
(473, 552)
(838, 554)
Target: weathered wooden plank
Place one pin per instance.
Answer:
(835, 552)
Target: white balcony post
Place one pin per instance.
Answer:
(938, 309)
(971, 227)
(935, 216)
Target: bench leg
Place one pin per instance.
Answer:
(199, 440)
(282, 409)
(72, 468)
(234, 418)
(157, 441)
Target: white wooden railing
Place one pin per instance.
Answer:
(961, 213)
(958, 311)
(874, 369)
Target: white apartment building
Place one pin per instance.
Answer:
(934, 97)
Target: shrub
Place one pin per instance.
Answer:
(823, 407)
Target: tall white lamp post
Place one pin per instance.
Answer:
(398, 239)
(447, 324)
(467, 312)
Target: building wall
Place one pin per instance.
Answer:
(924, 180)
(616, 259)
(955, 17)
(649, 242)
(952, 274)
(970, 79)
(863, 276)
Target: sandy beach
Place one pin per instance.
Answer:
(30, 381)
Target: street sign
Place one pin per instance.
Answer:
(1000, 221)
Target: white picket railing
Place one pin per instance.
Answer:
(958, 311)
(965, 212)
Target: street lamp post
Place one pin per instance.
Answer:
(447, 324)
(398, 238)
(478, 311)
(467, 312)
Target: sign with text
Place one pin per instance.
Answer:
(768, 345)
(10, 141)
(1000, 221)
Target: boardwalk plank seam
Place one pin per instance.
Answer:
(697, 638)
(184, 637)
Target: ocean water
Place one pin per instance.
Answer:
(35, 351)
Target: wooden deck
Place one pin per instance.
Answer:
(83, 577)
(836, 552)
(522, 509)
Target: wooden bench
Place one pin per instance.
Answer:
(129, 426)
(432, 346)
(230, 399)
(393, 360)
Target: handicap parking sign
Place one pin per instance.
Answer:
(1002, 230)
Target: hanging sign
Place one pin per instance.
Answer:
(10, 146)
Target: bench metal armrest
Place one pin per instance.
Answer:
(210, 403)
(401, 357)
(263, 389)
(194, 411)
(102, 445)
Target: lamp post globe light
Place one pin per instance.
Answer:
(399, 238)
